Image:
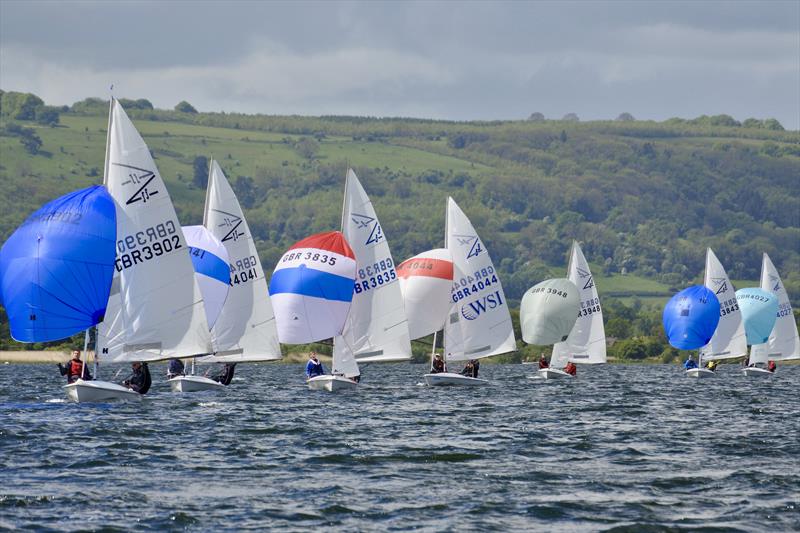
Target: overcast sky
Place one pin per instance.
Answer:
(446, 60)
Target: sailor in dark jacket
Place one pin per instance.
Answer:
(226, 376)
(139, 381)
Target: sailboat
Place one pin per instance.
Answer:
(56, 271)
(759, 314)
(586, 343)
(155, 308)
(783, 343)
(478, 323)
(729, 340)
(245, 329)
(691, 317)
(312, 290)
(376, 329)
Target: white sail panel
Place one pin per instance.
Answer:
(479, 322)
(729, 339)
(783, 343)
(155, 310)
(246, 329)
(210, 261)
(344, 362)
(376, 328)
(548, 311)
(586, 342)
(425, 281)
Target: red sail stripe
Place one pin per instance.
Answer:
(332, 241)
(426, 266)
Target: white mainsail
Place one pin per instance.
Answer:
(155, 310)
(479, 323)
(246, 329)
(587, 340)
(729, 339)
(784, 342)
(376, 328)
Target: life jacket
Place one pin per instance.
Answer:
(76, 368)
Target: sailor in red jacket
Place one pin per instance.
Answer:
(543, 362)
(75, 368)
(571, 369)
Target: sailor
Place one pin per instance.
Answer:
(771, 366)
(712, 365)
(689, 363)
(226, 376)
(543, 362)
(571, 369)
(314, 367)
(476, 365)
(175, 368)
(468, 370)
(139, 380)
(75, 368)
(437, 366)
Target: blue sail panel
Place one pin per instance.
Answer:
(691, 317)
(56, 268)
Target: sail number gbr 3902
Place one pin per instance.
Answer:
(147, 244)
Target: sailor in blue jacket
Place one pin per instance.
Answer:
(314, 367)
(689, 363)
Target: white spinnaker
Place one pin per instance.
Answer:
(784, 342)
(246, 328)
(479, 323)
(425, 281)
(729, 339)
(376, 328)
(155, 310)
(210, 260)
(587, 340)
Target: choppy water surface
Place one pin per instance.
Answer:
(623, 448)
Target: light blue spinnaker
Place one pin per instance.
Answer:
(759, 313)
(56, 268)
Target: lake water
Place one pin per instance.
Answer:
(622, 448)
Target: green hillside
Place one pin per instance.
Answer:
(644, 198)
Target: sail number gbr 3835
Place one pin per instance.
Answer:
(376, 275)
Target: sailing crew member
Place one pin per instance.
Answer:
(712, 365)
(471, 369)
(226, 376)
(175, 369)
(571, 369)
(770, 366)
(689, 364)
(437, 366)
(543, 362)
(139, 380)
(314, 368)
(75, 368)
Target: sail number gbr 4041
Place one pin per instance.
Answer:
(243, 270)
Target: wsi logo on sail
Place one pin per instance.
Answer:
(139, 177)
(474, 243)
(232, 222)
(367, 222)
(583, 274)
(473, 310)
(721, 283)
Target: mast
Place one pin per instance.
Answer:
(344, 200)
(208, 193)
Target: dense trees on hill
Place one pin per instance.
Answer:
(644, 198)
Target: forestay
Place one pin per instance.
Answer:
(376, 329)
(479, 323)
(210, 261)
(312, 287)
(729, 339)
(425, 281)
(783, 343)
(56, 268)
(155, 310)
(586, 342)
(246, 329)
(548, 311)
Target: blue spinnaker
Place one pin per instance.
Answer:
(56, 268)
(691, 317)
(759, 313)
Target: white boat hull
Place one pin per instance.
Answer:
(331, 383)
(443, 379)
(553, 373)
(699, 373)
(193, 384)
(98, 391)
(756, 371)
